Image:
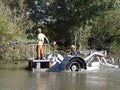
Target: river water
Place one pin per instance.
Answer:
(14, 76)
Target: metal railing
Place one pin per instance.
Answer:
(28, 49)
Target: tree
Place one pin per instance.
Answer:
(105, 34)
(12, 29)
(72, 15)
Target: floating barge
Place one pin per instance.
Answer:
(34, 63)
(55, 62)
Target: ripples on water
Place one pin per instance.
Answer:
(15, 77)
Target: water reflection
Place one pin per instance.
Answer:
(95, 81)
(60, 80)
(15, 77)
(70, 81)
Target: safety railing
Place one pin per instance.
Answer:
(30, 50)
(26, 50)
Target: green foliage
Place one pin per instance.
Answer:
(89, 24)
(73, 15)
(70, 16)
(106, 32)
(9, 31)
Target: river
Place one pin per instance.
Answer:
(14, 76)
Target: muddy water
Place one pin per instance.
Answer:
(14, 76)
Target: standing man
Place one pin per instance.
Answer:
(40, 42)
